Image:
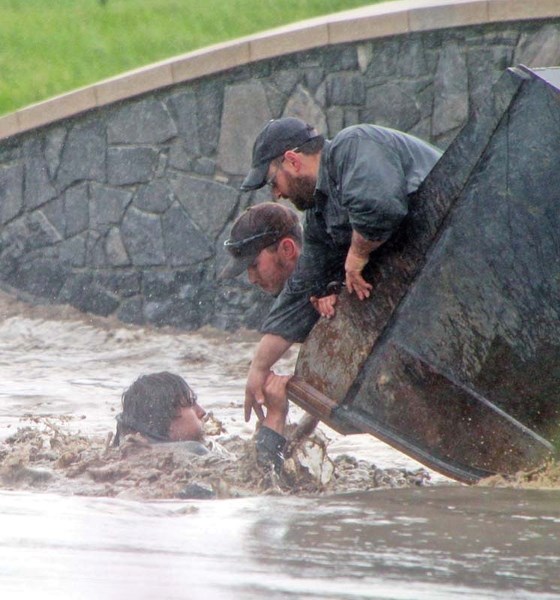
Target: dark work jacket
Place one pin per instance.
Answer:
(365, 177)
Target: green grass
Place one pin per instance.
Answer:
(48, 47)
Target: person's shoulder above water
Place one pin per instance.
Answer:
(163, 410)
(188, 447)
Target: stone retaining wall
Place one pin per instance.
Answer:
(123, 209)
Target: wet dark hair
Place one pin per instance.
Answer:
(151, 403)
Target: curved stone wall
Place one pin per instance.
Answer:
(117, 198)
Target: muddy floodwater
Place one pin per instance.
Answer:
(79, 521)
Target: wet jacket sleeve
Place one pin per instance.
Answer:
(270, 448)
(291, 317)
(372, 182)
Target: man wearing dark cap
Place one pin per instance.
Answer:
(265, 241)
(354, 191)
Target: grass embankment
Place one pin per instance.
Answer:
(48, 47)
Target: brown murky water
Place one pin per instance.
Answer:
(66, 372)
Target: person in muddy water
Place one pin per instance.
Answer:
(162, 407)
(354, 191)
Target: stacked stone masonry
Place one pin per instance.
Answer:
(123, 210)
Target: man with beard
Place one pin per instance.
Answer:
(354, 191)
(265, 241)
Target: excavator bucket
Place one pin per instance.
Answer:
(455, 359)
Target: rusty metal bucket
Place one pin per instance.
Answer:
(455, 360)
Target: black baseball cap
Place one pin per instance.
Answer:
(257, 228)
(276, 137)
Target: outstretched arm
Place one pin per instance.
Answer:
(276, 402)
(270, 349)
(270, 441)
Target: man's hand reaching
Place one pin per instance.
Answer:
(276, 402)
(254, 392)
(270, 349)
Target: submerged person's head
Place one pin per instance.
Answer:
(162, 407)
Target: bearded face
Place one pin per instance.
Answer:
(301, 191)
